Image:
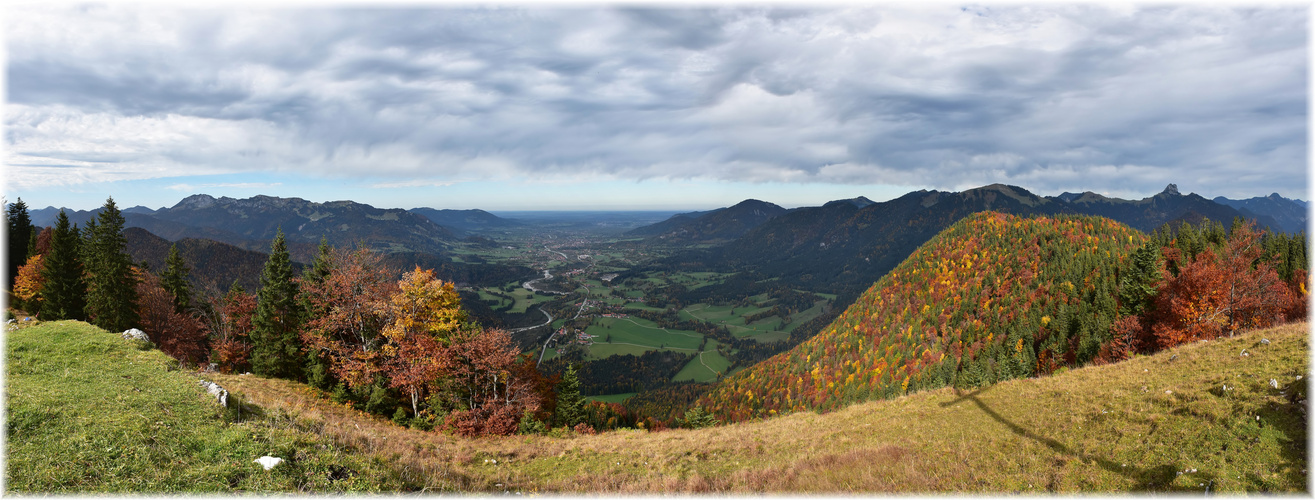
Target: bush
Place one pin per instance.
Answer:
(529, 424)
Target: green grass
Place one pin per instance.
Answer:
(705, 366)
(611, 398)
(89, 412)
(1159, 423)
(763, 330)
(525, 299)
(642, 332)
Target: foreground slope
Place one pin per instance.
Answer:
(88, 412)
(993, 297)
(1154, 423)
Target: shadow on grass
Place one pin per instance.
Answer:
(1158, 478)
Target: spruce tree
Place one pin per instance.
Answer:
(65, 292)
(111, 285)
(318, 373)
(275, 332)
(570, 404)
(174, 280)
(17, 239)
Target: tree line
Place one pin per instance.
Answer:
(346, 325)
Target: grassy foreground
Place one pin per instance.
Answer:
(1157, 423)
(89, 412)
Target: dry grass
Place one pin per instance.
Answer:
(1157, 423)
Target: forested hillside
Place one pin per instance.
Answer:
(996, 297)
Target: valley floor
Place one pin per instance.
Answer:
(1202, 417)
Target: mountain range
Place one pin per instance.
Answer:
(712, 226)
(843, 246)
(252, 223)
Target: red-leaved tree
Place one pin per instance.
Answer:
(1221, 291)
(348, 311)
(179, 335)
(229, 327)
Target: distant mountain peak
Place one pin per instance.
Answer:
(859, 202)
(1171, 189)
(196, 201)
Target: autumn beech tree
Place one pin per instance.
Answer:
(426, 320)
(177, 334)
(28, 284)
(348, 310)
(230, 327)
(1220, 290)
(481, 381)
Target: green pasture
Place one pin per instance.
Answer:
(705, 366)
(611, 398)
(642, 332)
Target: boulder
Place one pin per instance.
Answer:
(135, 334)
(220, 394)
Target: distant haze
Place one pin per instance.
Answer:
(614, 107)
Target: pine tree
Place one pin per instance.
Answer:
(1137, 287)
(65, 291)
(570, 404)
(318, 371)
(111, 286)
(174, 280)
(19, 225)
(275, 337)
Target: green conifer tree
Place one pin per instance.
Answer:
(19, 233)
(570, 404)
(275, 328)
(111, 285)
(318, 373)
(174, 280)
(65, 291)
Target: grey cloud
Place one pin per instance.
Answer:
(999, 94)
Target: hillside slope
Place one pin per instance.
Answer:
(993, 297)
(88, 412)
(1154, 423)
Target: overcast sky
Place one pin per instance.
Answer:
(612, 107)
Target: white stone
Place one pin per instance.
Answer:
(220, 394)
(135, 334)
(268, 462)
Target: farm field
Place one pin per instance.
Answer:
(611, 398)
(705, 367)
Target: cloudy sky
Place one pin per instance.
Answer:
(619, 107)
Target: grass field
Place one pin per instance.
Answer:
(611, 398)
(642, 332)
(87, 412)
(705, 366)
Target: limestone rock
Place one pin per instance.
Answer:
(135, 334)
(220, 394)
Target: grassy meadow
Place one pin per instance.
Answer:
(90, 413)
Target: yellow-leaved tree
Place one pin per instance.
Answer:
(426, 319)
